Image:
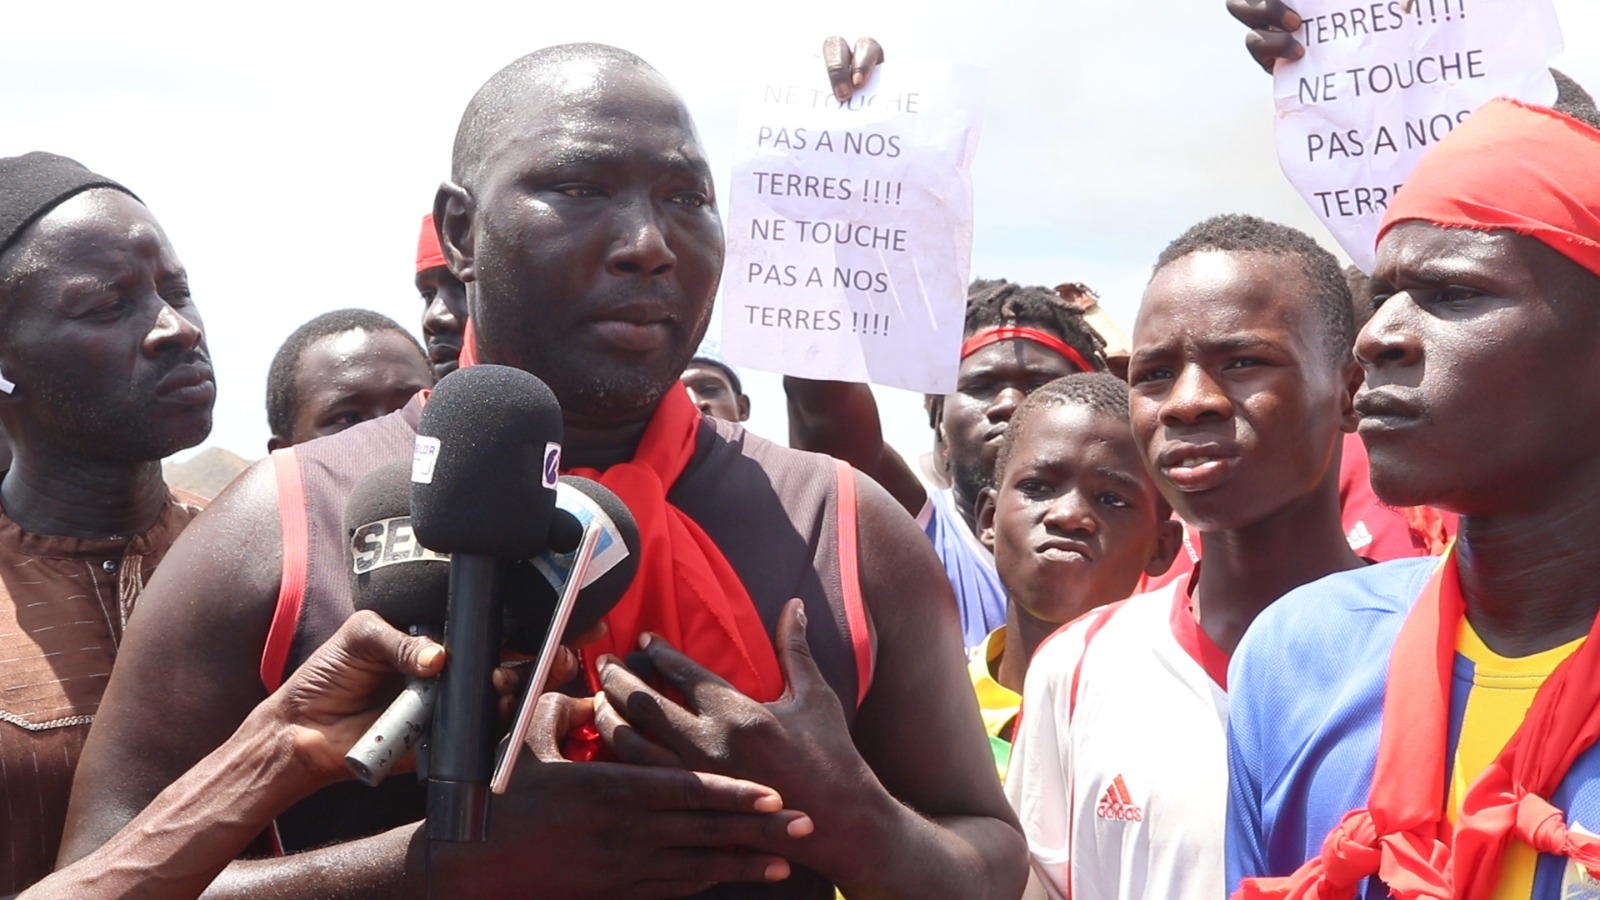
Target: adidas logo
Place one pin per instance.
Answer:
(1359, 537)
(1117, 803)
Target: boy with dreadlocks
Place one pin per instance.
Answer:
(1073, 520)
(1017, 339)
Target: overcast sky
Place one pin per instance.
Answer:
(291, 148)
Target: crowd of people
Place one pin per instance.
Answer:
(1282, 594)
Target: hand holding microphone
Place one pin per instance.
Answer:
(483, 489)
(407, 584)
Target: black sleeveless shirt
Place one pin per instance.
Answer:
(784, 519)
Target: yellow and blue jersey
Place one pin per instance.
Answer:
(1307, 687)
(997, 703)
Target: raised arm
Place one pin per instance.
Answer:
(840, 418)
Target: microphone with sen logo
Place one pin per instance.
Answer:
(481, 536)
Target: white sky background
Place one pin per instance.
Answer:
(290, 149)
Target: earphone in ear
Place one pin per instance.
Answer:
(6, 386)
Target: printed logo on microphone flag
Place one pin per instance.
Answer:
(552, 464)
(424, 458)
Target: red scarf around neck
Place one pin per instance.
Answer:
(1402, 836)
(686, 591)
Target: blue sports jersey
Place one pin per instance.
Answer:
(1306, 689)
(980, 596)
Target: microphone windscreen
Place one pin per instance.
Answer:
(566, 532)
(391, 574)
(618, 524)
(531, 604)
(484, 474)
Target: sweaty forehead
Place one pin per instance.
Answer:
(699, 371)
(1211, 295)
(1070, 433)
(1429, 252)
(333, 358)
(1421, 253)
(590, 111)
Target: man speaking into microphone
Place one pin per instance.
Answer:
(835, 738)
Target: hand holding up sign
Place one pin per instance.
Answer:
(849, 69)
(1272, 26)
(1377, 84)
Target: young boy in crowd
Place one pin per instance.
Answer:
(1240, 393)
(1017, 338)
(1073, 522)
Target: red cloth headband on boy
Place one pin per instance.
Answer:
(429, 256)
(987, 336)
(1511, 166)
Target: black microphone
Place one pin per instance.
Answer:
(483, 481)
(531, 601)
(406, 583)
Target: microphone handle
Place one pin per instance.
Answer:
(576, 577)
(396, 731)
(465, 719)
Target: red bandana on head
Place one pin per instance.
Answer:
(429, 255)
(1402, 836)
(1523, 168)
(685, 590)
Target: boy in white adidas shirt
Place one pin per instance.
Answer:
(1241, 383)
(1073, 522)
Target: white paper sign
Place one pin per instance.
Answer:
(850, 225)
(1379, 85)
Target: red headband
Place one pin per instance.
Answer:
(429, 256)
(1522, 168)
(987, 336)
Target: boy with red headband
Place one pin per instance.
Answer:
(1017, 338)
(1427, 728)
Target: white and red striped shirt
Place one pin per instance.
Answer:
(1119, 766)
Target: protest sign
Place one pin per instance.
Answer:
(850, 224)
(1381, 82)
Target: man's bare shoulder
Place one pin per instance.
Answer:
(237, 536)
